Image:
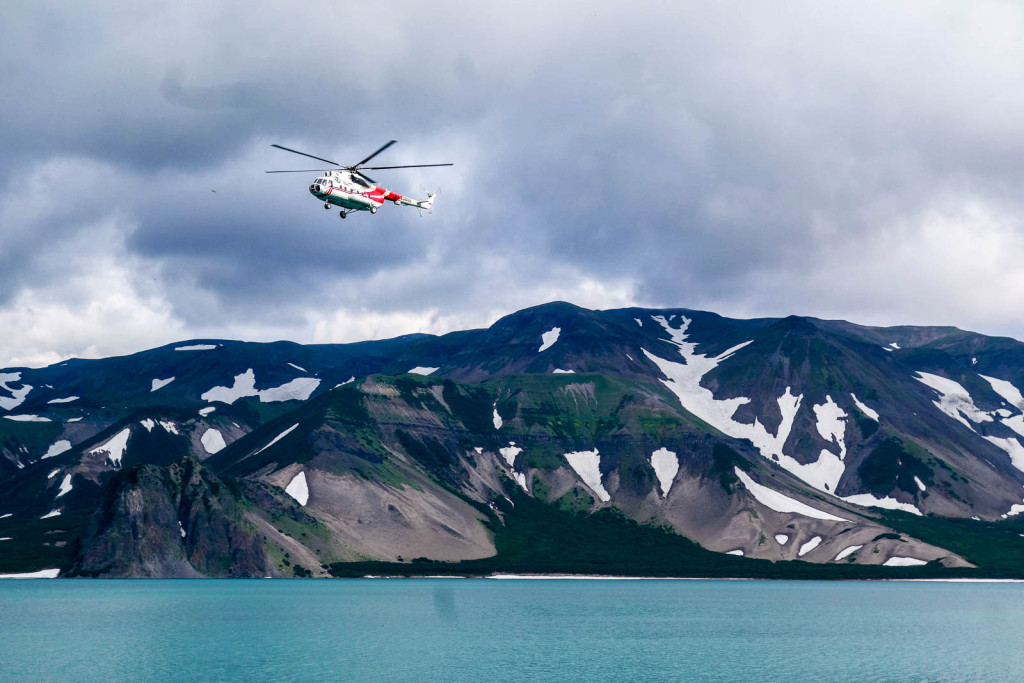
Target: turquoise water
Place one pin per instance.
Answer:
(480, 630)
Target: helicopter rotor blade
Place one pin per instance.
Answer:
(384, 147)
(301, 170)
(378, 168)
(295, 151)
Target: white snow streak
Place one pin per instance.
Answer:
(1012, 447)
(41, 574)
(846, 552)
(666, 466)
(298, 489)
(53, 473)
(549, 338)
(205, 412)
(27, 418)
(497, 418)
(864, 409)
(51, 513)
(1007, 391)
(868, 500)
(587, 465)
(65, 485)
(213, 441)
(419, 370)
(559, 371)
(735, 552)
(169, 426)
(954, 400)
(780, 502)
(160, 383)
(69, 399)
(197, 347)
(300, 369)
(809, 546)
(920, 484)
(114, 448)
(903, 562)
(17, 395)
(56, 449)
(278, 438)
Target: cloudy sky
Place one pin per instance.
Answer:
(862, 161)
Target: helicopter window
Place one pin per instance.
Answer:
(359, 181)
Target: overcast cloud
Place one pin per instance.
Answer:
(855, 161)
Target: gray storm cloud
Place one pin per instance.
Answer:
(856, 162)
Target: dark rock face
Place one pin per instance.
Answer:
(177, 521)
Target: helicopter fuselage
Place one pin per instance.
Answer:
(350, 192)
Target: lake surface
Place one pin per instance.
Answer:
(516, 630)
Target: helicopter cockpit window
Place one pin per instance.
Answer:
(359, 181)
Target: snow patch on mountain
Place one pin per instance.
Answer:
(115, 447)
(278, 438)
(510, 452)
(903, 562)
(56, 449)
(920, 484)
(497, 418)
(69, 399)
(298, 389)
(197, 347)
(420, 370)
(864, 409)
(954, 400)
(300, 369)
(780, 502)
(549, 338)
(666, 466)
(27, 418)
(831, 424)
(781, 539)
(559, 371)
(587, 465)
(887, 503)
(298, 489)
(213, 441)
(1014, 510)
(205, 412)
(17, 396)
(639, 322)
(244, 386)
(846, 552)
(169, 426)
(160, 384)
(65, 485)
(53, 473)
(1005, 389)
(1012, 447)
(738, 552)
(148, 424)
(51, 513)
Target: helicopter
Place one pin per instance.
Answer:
(352, 190)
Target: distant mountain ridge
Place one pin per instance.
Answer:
(787, 441)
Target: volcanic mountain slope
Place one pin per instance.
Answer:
(791, 439)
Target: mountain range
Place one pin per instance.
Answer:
(558, 440)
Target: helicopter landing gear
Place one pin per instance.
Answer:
(342, 213)
(373, 209)
(327, 205)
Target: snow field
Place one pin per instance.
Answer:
(160, 384)
(809, 546)
(17, 395)
(780, 502)
(903, 562)
(419, 370)
(497, 418)
(244, 386)
(197, 347)
(298, 489)
(56, 449)
(954, 400)
(65, 485)
(887, 503)
(781, 539)
(735, 552)
(213, 441)
(51, 513)
(41, 574)
(69, 399)
(666, 466)
(846, 552)
(115, 447)
(27, 418)
(549, 338)
(864, 409)
(278, 438)
(587, 465)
